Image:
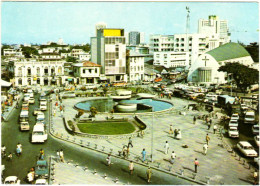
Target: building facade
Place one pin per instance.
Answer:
(160, 43)
(171, 59)
(86, 72)
(39, 73)
(135, 66)
(108, 49)
(134, 38)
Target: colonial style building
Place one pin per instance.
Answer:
(135, 66)
(86, 72)
(205, 68)
(39, 73)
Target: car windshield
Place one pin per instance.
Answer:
(38, 133)
(10, 182)
(248, 147)
(233, 130)
(233, 121)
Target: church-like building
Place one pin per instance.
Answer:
(205, 69)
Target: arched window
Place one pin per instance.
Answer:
(20, 81)
(46, 71)
(29, 71)
(52, 70)
(20, 71)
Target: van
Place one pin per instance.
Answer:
(39, 135)
(249, 117)
(24, 116)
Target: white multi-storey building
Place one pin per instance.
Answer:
(86, 72)
(84, 57)
(142, 37)
(108, 49)
(215, 26)
(38, 73)
(160, 43)
(135, 66)
(171, 59)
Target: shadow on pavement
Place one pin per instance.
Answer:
(160, 151)
(187, 168)
(199, 152)
(251, 182)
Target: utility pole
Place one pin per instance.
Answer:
(187, 30)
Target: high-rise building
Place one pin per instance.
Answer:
(160, 43)
(142, 37)
(134, 38)
(214, 26)
(108, 49)
(100, 25)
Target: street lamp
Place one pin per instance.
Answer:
(152, 137)
(231, 81)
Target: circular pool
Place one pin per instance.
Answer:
(133, 105)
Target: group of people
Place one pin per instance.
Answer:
(177, 132)
(60, 155)
(18, 151)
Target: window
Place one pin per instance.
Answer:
(89, 71)
(96, 70)
(84, 71)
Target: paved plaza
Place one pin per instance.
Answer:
(219, 165)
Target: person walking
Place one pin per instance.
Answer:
(171, 130)
(58, 155)
(10, 156)
(255, 175)
(41, 154)
(194, 120)
(130, 142)
(166, 146)
(207, 139)
(215, 128)
(131, 167)
(61, 113)
(127, 152)
(143, 154)
(205, 148)
(208, 125)
(3, 149)
(108, 160)
(19, 149)
(149, 174)
(178, 134)
(173, 156)
(196, 164)
(30, 177)
(61, 156)
(124, 150)
(175, 133)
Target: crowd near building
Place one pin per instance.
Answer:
(116, 55)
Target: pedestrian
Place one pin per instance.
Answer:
(171, 130)
(131, 167)
(142, 133)
(205, 148)
(61, 113)
(210, 121)
(127, 152)
(108, 160)
(149, 174)
(130, 142)
(175, 133)
(166, 146)
(255, 175)
(61, 156)
(3, 149)
(124, 151)
(209, 126)
(143, 154)
(196, 164)
(173, 156)
(207, 139)
(178, 134)
(60, 107)
(58, 155)
(30, 177)
(41, 154)
(215, 128)
(19, 149)
(194, 120)
(10, 156)
(54, 112)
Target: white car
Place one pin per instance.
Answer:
(235, 117)
(40, 116)
(233, 132)
(24, 125)
(233, 123)
(249, 117)
(255, 129)
(257, 139)
(39, 135)
(12, 180)
(244, 107)
(41, 182)
(247, 149)
(31, 100)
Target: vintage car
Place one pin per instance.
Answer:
(41, 169)
(233, 132)
(24, 125)
(12, 180)
(247, 149)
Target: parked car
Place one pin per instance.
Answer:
(233, 123)
(36, 111)
(249, 117)
(255, 129)
(235, 116)
(40, 116)
(43, 105)
(39, 135)
(233, 132)
(30, 91)
(256, 160)
(257, 139)
(26, 97)
(41, 182)
(41, 169)
(244, 107)
(12, 180)
(247, 149)
(24, 116)
(31, 100)
(24, 125)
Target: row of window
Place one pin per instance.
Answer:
(136, 68)
(114, 40)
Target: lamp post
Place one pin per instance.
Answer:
(231, 81)
(152, 137)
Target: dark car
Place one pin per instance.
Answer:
(42, 170)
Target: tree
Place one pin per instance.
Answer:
(253, 50)
(29, 51)
(71, 59)
(243, 76)
(93, 111)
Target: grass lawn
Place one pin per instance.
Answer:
(106, 128)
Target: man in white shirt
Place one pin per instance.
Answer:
(166, 147)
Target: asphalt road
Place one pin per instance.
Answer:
(19, 166)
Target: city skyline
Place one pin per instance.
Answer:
(40, 22)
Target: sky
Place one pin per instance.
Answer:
(74, 22)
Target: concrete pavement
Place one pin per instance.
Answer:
(218, 166)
